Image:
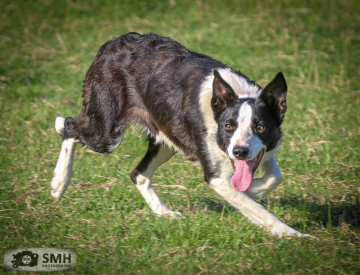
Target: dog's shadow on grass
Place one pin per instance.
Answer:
(328, 214)
(331, 214)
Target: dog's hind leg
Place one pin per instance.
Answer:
(63, 170)
(156, 155)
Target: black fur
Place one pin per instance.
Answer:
(228, 116)
(223, 95)
(274, 97)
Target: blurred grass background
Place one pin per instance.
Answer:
(47, 47)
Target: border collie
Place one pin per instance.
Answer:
(188, 103)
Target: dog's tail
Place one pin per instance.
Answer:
(63, 170)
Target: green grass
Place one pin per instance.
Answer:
(46, 49)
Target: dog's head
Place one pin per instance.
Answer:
(248, 127)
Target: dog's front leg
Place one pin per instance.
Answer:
(251, 209)
(272, 178)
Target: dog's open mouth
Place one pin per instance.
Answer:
(244, 171)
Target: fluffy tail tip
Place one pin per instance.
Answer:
(60, 126)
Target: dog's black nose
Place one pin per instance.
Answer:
(240, 152)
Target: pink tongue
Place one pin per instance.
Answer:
(243, 176)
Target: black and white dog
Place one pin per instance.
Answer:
(186, 102)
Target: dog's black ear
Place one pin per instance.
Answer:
(222, 94)
(274, 96)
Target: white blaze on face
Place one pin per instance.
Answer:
(244, 135)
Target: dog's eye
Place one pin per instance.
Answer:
(260, 127)
(229, 126)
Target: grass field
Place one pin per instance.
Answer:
(46, 49)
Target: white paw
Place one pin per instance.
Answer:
(60, 125)
(179, 215)
(170, 214)
(283, 230)
(300, 235)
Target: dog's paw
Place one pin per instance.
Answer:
(174, 215)
(60, 126)
(300, 235)
(283, 230)
(178, 214)
(171, 215)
